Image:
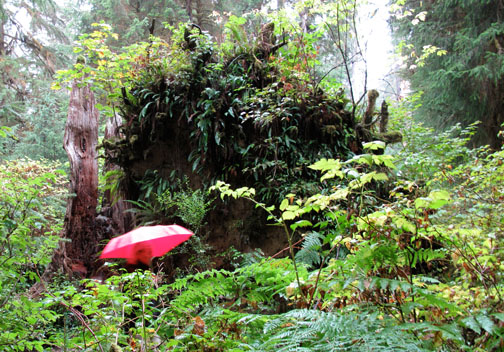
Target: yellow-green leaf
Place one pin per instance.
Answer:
(288, 215)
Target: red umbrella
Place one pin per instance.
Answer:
(159, 239)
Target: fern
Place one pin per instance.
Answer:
(449, 331)
(313, 330)
(310, 253)
(480, 322)
(425, 255)
(256, 283)
(268, 277)
(201, 289)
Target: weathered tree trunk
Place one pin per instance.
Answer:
(81, 138)
(189, 10)
(384, 116)
(368, 115)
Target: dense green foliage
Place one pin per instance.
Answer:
(137, 20)
(420, 272)
(389, 249)
(134, 20)
(31, 214)
(33, 44)
(252, 114)
(454, 52)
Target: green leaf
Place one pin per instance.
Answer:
(486, 323)
(326, 164)
(380, 177)
(421, 203)
(472, 324)
(362, 159)
(332, 174)
(144, 110)
(375, 145)
(408, 307)
(439, 198)
(288, 215)
(499, 316)
(451, 331)
(366, 178)
(435, 200)
(284, 204)
(301, 223)
(404, 224)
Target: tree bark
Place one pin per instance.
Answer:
(368, 115)
(189, 10)
(80, 140)
(384, 116)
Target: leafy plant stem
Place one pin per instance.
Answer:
(140, 291)
(291, 250)
(398, 305)
(411, 275)
(65, 342)
(85, 326)
(317, 280)
(289, 240)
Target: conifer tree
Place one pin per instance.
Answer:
(454, 51)
(33, 45)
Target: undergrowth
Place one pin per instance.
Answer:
(386, 252)
(420, 271)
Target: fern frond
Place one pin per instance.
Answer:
(313, 330)
(310, 252)
(201, 288)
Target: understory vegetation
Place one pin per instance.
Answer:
(421, 271)
(390, 247)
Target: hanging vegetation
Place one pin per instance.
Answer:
(248, 114)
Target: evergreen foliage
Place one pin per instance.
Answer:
(33, 45)
(345, 330)
(250, 114)
(454, 52)
(134, 20)
(421, 271)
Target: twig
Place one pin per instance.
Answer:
(286, 248)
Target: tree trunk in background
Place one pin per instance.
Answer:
(189, 10)
(114, 205)
(2, 36)
(81, 138)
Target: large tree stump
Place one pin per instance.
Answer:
(80, 140)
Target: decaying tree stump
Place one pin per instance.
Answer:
(368, 115)
(77, 257)
(80, 141)
(367, 130)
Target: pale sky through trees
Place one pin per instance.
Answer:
(377, 42)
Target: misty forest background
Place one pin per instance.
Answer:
(331, 211)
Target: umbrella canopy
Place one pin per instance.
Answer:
(160, 239)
